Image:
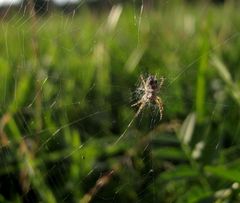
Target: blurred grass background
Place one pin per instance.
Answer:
(66, 83)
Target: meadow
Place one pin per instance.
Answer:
(67, 83)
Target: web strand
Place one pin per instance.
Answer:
(129, 125)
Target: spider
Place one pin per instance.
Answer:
(150, 88)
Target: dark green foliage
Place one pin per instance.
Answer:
(62, 110)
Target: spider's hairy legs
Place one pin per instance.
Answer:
(143, 81)
(160, 106)
(139, 109)
(161, 82)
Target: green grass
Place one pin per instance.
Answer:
(62, 109)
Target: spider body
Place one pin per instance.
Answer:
(150, 89)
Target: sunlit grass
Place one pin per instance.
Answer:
(61, 115)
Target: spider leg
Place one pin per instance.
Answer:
(140, 109)
(137, 103)
(161, 82)
(140, 89)
(143, 81)
(142, 102)
(160, 106)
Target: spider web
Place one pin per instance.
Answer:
(40, 153)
